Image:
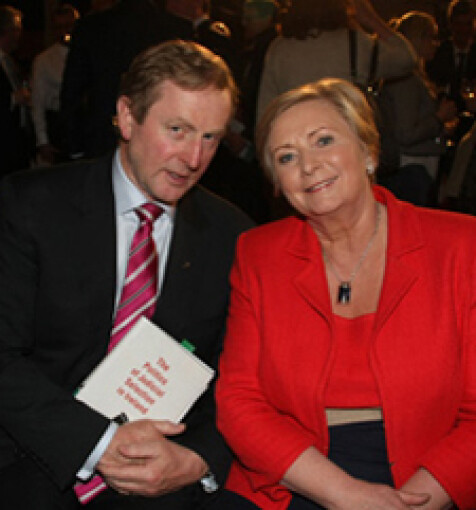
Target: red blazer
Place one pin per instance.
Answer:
(279, 352)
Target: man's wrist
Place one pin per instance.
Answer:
(87, 469)
(209, 483)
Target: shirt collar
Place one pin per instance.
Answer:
(127, 196)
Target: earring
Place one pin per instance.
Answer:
(370, 168)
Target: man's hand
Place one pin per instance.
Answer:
(141, 460)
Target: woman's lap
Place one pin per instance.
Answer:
(359, 449)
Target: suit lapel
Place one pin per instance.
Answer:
(178, 287)
(95, 245)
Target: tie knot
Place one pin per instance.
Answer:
(148, 212)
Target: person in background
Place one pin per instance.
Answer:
(102, 47)
(416, 121)
(48, 69)
(14, 97)
(235, 173)
(66, 235)
(315, 44)
(259, 30)
(348, 375)
(455, 59)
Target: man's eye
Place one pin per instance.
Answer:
(210, 137)
(322, 141)
(176, 130)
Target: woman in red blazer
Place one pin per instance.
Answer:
(348, 378)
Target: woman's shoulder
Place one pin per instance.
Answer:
(274, 235)
(436, 227)
(275, 230)
(446, 224)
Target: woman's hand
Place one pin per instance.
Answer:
(371, 496)
(424, 481)
(315, 477)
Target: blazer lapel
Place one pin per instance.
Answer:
(400, 273)
(404, 240)
(309, 280)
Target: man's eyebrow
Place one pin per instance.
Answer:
(180, 120)
(220, 131)
(188, 125)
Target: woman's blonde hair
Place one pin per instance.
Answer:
(348, 101)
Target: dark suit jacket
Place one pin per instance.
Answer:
(442, 69)
(57, 275)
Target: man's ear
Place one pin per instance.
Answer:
(125, 118)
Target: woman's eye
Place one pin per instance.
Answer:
(285, 158)
(322, 141)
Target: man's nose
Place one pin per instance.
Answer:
(192, 154)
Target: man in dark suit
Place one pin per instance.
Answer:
(64, 237)
(14, 98)
(455, 59)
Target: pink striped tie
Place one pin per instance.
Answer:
(139, 291)
(138, 298)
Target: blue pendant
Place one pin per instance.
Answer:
(343, 295)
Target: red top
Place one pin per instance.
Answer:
(351, 382)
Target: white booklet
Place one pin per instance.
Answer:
(147, 375)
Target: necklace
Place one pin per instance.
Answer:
(344, 290)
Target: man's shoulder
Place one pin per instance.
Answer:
(214, 210)
(65, 178)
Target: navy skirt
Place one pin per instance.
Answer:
(357, 448)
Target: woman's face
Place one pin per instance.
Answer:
(319, 162)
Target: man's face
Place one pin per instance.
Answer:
(169, 151)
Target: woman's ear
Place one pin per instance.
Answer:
(370, 165)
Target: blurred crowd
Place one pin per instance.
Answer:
(420, 67)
